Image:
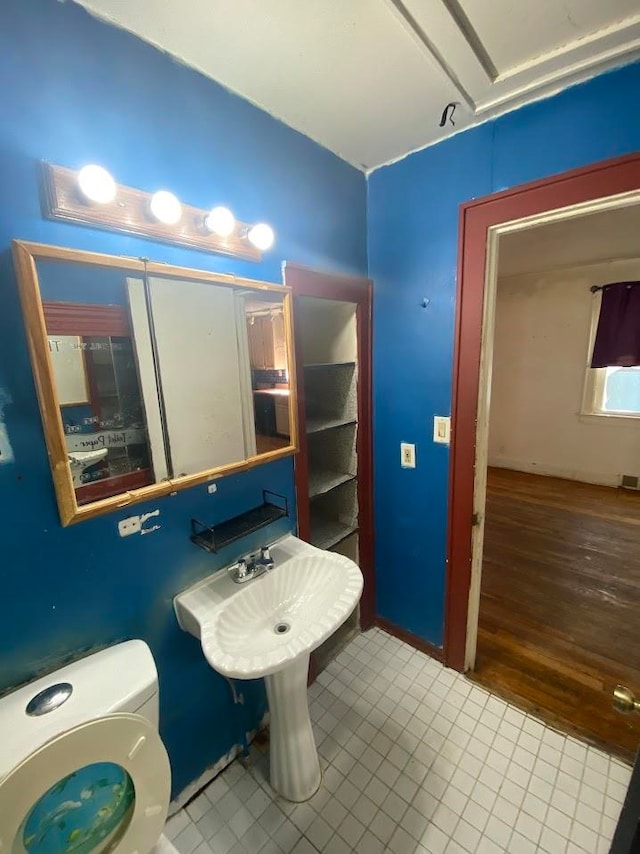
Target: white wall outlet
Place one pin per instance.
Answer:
(407, 455)
(442, 429)
(130, 525)
(213, 487)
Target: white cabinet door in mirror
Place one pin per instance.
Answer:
(206, 385)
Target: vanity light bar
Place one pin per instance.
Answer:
(90, 196)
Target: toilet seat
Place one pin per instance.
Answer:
(126, 740)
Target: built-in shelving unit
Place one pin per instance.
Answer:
(330, 376)
(320, 366)
(334, 515)
(327, 533)
(334, 467)
(318, 424)
(324, 480)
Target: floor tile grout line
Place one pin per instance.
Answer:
(386, 716)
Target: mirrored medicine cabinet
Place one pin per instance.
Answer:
(153, 378)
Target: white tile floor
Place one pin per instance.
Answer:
(416, 759)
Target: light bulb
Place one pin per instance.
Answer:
(262, 236)
(165, 207)
(220, 221)
(96, 184)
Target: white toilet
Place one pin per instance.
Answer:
(82, 766)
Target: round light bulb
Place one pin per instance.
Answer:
(165, 207)
(220, 221)
(262, 236)
(96, 184)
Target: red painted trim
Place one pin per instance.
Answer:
(113, 486)
(301, 460)
(364, 447)
(313, 283)
(74, 318)
(596, 181)
(409, 638)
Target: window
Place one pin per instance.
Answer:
(612, 392)
(616, 391)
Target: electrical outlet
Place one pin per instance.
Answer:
(407, 455)
(441, 429)
(130, 525)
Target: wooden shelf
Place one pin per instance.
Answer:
(321, 482)
(328, 532)
(319, 423)
(323, 365)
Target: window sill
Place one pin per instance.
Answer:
(604, 418)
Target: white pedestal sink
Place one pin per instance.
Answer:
(268, 627)
(295, 768)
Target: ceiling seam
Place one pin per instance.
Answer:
(435, 53)
(471, 36)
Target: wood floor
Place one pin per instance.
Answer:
(559, 607)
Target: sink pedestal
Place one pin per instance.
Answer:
(295, 769)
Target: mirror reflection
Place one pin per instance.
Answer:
(269, 372)
(91, 346)
(159, 377)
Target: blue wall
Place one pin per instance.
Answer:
(413, 232)
(75, 91)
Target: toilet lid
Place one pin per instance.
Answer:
(103, 785)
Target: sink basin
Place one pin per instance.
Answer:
(267, 628)
(281, 616)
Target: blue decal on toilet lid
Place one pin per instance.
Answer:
(83, 813)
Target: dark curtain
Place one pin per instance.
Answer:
(618, 335)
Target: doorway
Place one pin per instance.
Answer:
(484, 223)
(560, 563)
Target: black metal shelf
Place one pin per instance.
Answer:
(212, 538)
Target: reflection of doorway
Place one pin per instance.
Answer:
(269, 372)
(93, 360)
(483, 223)
(560, 577)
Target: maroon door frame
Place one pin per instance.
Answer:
(607, 178)
(315, 283)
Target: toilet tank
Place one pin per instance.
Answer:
(121, 678)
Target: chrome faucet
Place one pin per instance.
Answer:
(252, 566)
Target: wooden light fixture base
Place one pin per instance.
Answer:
(129, 213)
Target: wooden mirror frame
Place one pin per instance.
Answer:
(25, 255)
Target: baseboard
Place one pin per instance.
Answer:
(210, 773)
(598, 478)
(408, 637)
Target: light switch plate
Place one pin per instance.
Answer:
(442, 429)
(407, 455)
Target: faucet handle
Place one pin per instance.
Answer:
(240, 569)
(265, 554)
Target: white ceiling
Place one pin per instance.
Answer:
(612, 235)
(369, 79)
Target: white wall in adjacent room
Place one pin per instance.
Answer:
(540, 352)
